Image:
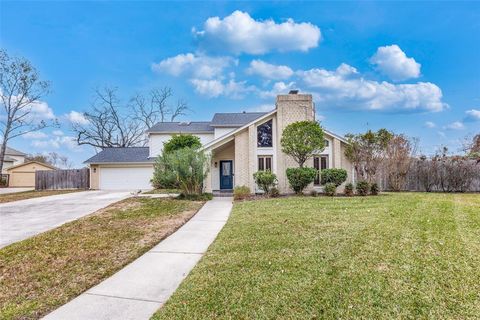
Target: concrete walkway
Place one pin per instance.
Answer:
(14, 190)
(142, 287)
(25, 218)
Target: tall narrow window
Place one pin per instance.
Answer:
(264, 163)
(264, 135)
(319, 163)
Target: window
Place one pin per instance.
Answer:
(264, 135)
(325, 143)
(319, 163)
(264, 163)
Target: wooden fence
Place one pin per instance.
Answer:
(62, 179)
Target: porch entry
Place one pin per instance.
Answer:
(226, 174)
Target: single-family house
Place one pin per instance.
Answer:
(12, 158)
(239, 144)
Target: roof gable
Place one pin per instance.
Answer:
(13, 152)
(46, 165)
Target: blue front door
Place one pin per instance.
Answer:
(226, 174)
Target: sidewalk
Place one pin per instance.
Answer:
(139, 289)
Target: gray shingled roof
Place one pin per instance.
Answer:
(9, 159)
(119, 155)
(182, 127)
(13, 152)
(235, 119)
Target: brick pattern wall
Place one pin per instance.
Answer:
(290, 108)
(242, 170)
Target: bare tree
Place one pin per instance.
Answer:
(20, 89)
(51, 158)
(398, 156)
(111, 124)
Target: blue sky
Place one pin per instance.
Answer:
(411, 67)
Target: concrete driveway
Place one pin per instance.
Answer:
(14, 190)
(25, 218)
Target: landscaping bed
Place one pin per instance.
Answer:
(42, 273)
(392, 256)
(9, 197)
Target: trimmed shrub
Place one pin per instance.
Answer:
(335, 176)
(241, 192)
(265, 180)
(300, 178)
(362, 188)
(374, 189)
(330, 189)
(181, 141)
(300, 140)
(274, 192)
(195, 197)
(349, 189)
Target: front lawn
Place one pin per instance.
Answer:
(9, 197)
(395, 256)
(42, 273)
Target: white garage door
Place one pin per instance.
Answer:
(134, 178)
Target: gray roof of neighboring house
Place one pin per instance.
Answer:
(119, 155)
(12, 152)
(9, 159)
(237, 119)
(182, 127)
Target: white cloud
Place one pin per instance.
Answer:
(473, 115)
(430, 124)
(197, 66)
(240, 33)
(393, 62)
(277, 88)
(269, 71)
(345, 88)
(35, 135)
(456, 125)
(57, 133)
(58, 142)
(216, 88)
(76, 117)
(41, 111)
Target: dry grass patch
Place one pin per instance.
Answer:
(9, 197)
(42, 273)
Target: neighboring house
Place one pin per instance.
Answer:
(23, 174)
(12, 158)
(239, 144)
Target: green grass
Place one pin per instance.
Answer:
(42, 273)
(395, 256)
(9, 197)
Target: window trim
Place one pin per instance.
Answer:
(320, 162)
(262, 162)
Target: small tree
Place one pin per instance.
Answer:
(265, 180)
(367, 151)
(188, 166)
(180, 141)
(398, 157)
(301, 140)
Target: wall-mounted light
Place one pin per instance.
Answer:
(94, 170)
(215, 164)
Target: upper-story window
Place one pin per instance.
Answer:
(264, 135)
(326, 143)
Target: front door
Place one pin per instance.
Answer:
(226, 174)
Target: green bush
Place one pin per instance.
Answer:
(335, 176)
(265, 180)
(300, 140)
(300, 178)
(274, 192)
(241, 192)
(195, 197)
(374, 189)
(349, 189)
(330, 189)
(181, 141)
(186, 168)
(362, 188)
